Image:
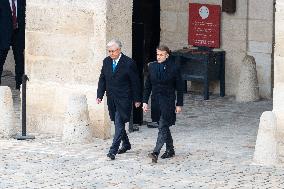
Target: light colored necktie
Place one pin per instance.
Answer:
(114, 64)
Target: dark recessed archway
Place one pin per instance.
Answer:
(145, 38)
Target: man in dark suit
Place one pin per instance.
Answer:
(165, 83)
(119, 78)
(12, 33)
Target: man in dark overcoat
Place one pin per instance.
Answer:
(165, 83)
(12, 33)
(119, 78)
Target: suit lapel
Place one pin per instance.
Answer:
(109, 67)
(9, 6)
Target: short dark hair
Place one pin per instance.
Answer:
(164, 48)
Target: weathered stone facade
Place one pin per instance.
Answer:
(247, 90)
(275, 125)
(65, 45)
(247, 31)
(278, 92)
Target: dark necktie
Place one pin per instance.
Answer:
(14, 15)
(160, 71)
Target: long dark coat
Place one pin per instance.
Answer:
(164, 98)
(6, 24)
(122, 86)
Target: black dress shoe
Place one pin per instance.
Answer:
(123, 150)
(168, 154)
(111, 156)
(154, 157)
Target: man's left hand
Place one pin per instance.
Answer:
(178, 109)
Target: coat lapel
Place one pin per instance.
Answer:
(9, 6)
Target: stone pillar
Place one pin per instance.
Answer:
(248, 83)
(266, 144)
(9, 63)
(65, 45)
(7, 114)
(77, 122)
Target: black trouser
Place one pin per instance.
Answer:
(18, 57)
(119, 135)
(164, 136)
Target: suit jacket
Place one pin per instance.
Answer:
(164, 98)
(6, 24)
(122, 86)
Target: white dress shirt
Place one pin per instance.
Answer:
(116, 60)
(16, 4)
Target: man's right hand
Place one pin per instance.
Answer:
(145, 107)
(99, 100)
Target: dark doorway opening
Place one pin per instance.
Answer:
(145, 39)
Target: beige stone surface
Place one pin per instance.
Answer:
(7, 115)
(77, 121)
(10, 63)
(245, 31)
(260, 47)
(248, 84)
(169, 21)
(233, 29)
(277, 115)
(266, 143)
(119, 23)
(65, 46)
(278, 106)
(264, 70)
(279, 69)
(265, 5)
(260, 30)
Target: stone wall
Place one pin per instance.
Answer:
(260, 39)
(276, 134)
(237, 37)
(65, 45)
(278, 92)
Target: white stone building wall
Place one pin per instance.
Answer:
(278, 92)
(65, 45)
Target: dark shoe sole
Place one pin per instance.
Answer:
(154, 158)
(123, 150)
(167, 156)
(111, 156)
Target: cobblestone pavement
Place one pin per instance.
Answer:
(214, 142)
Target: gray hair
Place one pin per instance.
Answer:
(115, 42)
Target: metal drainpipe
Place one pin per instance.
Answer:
(23, 135)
